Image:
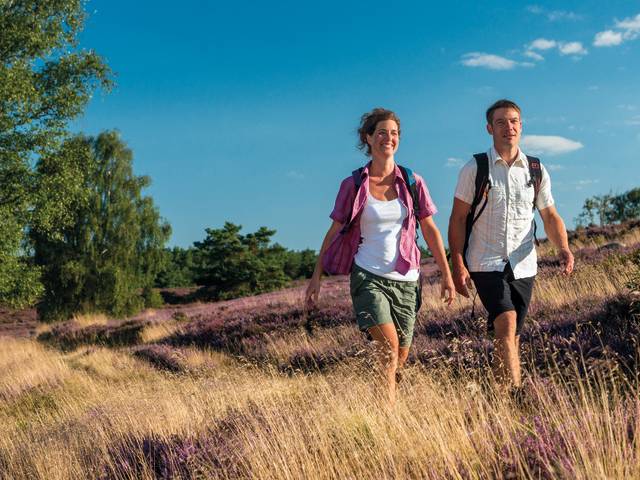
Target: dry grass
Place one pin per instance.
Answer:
(89, 319)
(587, 281)
(322, 427)
(281, 347)
(81, 320)
(158, 331)
(85, 413)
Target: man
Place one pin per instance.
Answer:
(501, 257)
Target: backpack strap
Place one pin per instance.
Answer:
(357, 180)
(535, 174)
(410, 181)
(482, 187)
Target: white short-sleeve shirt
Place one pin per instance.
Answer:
(504, 231)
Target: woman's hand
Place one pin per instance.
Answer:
(447, 290)
(313, 291)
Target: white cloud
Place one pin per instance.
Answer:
(453, 162)
(542, 44)
(572, 48)
(627, 29)
(580, 184)
(557, 15)
(608, 38)
(549, 145)
(554, 167)
(631, 23)
(488, 60)
(554, 15)
(534, 55)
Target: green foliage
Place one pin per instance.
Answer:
(234, 265)
(299, 264)
(606, 209)
(179, 268)
(190, 266)
(108, 246)
(44, 82)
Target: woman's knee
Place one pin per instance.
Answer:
(403, 354)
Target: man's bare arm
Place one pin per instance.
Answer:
(556, 232)
(457, 230)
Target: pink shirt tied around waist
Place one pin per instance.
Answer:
(409, 253)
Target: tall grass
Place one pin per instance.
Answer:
(109, 415)
(260, 388)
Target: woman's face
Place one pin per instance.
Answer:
(385, 139)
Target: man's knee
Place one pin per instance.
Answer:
(505, 325)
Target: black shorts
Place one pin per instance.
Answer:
(500, 292)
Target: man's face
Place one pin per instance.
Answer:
(505, 128)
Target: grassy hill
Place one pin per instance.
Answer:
(260, 388)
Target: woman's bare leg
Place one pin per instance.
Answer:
(386, 339)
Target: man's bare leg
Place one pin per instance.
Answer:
(507, 357)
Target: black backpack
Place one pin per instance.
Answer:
(483, 185)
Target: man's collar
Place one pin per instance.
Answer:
(495, 156)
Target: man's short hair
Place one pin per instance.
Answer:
(502, 103)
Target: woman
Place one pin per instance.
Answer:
(381, 224)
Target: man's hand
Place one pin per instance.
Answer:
(557, 233)
(462, 280)
(566, 261)
(312, 293)
(447, 290)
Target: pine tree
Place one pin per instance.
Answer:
(233, 265)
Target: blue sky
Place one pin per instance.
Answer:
(247, 111)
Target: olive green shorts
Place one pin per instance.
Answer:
(378, 300)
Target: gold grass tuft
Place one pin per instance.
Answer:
(158, 331)
(89, 319)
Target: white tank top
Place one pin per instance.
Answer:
(380, 227)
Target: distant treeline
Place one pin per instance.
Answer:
(230, 264)
(606, 209)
